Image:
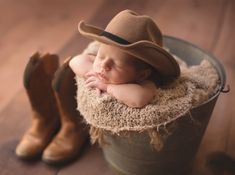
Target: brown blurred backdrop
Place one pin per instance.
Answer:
(27, 26)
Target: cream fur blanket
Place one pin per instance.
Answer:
(195, 85)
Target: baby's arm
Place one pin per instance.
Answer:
(81, 64)
(133, 95)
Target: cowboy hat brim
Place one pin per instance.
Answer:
(145, 50)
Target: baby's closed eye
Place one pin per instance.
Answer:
(120, 64)
(100, 57)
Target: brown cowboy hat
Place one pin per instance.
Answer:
(137, 35)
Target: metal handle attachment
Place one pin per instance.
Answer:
(225, 90)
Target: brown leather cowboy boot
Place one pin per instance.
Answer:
(45, 121)
(68, 142)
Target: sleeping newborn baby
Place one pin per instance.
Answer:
(117, 73)
(130, 62)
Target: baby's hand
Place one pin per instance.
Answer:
(94, 82)
(90, 74)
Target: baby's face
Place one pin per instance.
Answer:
(114, 66)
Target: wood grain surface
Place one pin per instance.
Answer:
(51, 26)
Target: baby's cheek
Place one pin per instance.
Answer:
(95, 66)
(118, 77)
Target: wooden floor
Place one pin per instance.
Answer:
(51, 26)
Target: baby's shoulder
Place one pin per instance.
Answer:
(84, 57)
(81, 64)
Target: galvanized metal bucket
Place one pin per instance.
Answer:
(134, 155)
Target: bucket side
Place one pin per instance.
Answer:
(134, 155)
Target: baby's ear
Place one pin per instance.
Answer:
(144, 74)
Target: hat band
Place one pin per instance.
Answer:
(114, 38)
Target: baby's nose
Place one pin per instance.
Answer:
(106, 65)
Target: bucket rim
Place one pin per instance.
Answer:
(213, 60)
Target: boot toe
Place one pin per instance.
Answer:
(29, 148)
(59, 152)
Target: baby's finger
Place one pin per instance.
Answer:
(91, 84)
(90, 74)
(90, 79)
(98, 91)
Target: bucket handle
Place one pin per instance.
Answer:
(225, 90)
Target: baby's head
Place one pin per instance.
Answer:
(131, 41)
(115, 66)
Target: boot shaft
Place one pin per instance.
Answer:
(64, 86)
(38, 76)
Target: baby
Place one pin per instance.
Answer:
(117, 73)
(128, 59)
